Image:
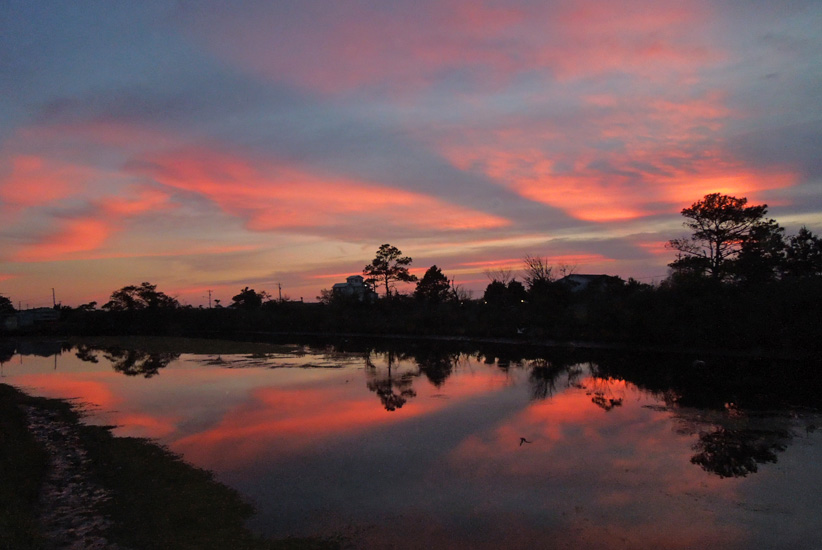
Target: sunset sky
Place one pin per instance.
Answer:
(204, 145)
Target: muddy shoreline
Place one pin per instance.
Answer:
(78, 487)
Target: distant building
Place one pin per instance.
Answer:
(579, 282)
(355, 287)
(30, 317)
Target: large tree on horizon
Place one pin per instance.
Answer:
(388, 266)
(720, 225)
(143, 296)
(434, 287)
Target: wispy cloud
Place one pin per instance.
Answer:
(284, 197)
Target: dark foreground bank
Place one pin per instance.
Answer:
(68, 485)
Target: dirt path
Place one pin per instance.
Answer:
(69, 499)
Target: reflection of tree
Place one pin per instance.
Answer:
(87, 354)
(602, 397)
(7, 351)
(133, 362)
(393, 389)
(436, 365)
(736, 453)
(543, 378)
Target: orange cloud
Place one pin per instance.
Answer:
(273, 197)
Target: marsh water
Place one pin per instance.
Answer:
(439, 447)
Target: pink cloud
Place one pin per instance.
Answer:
(74, 236)
(35, 180)
(147, 200)
(659, 155)
(77, 238)
(279, 196)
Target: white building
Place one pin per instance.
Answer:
(355, 287)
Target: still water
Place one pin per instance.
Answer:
(439, 448)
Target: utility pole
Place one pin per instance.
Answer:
(53, 298)
(280, 290)
(209, 299)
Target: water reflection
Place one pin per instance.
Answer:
(393, 388)
(545, 375)
(733, 453)
(7, 351)
(131, 362)
(734, 444)
(436, 364)
(618, 450)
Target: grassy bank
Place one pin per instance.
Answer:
(159, 501)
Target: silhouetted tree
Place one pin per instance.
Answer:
(720, 224)
(145, 296)
(501, 275)
(537, 271)
(388, 266)
(434, 287)
(249, 299)
(762, 254)
(5, 305)
(498, 293)
(803, 255)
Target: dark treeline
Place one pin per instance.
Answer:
(737, 283)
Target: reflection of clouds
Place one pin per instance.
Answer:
(93, 392)
(280, 423)
(605, 478)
